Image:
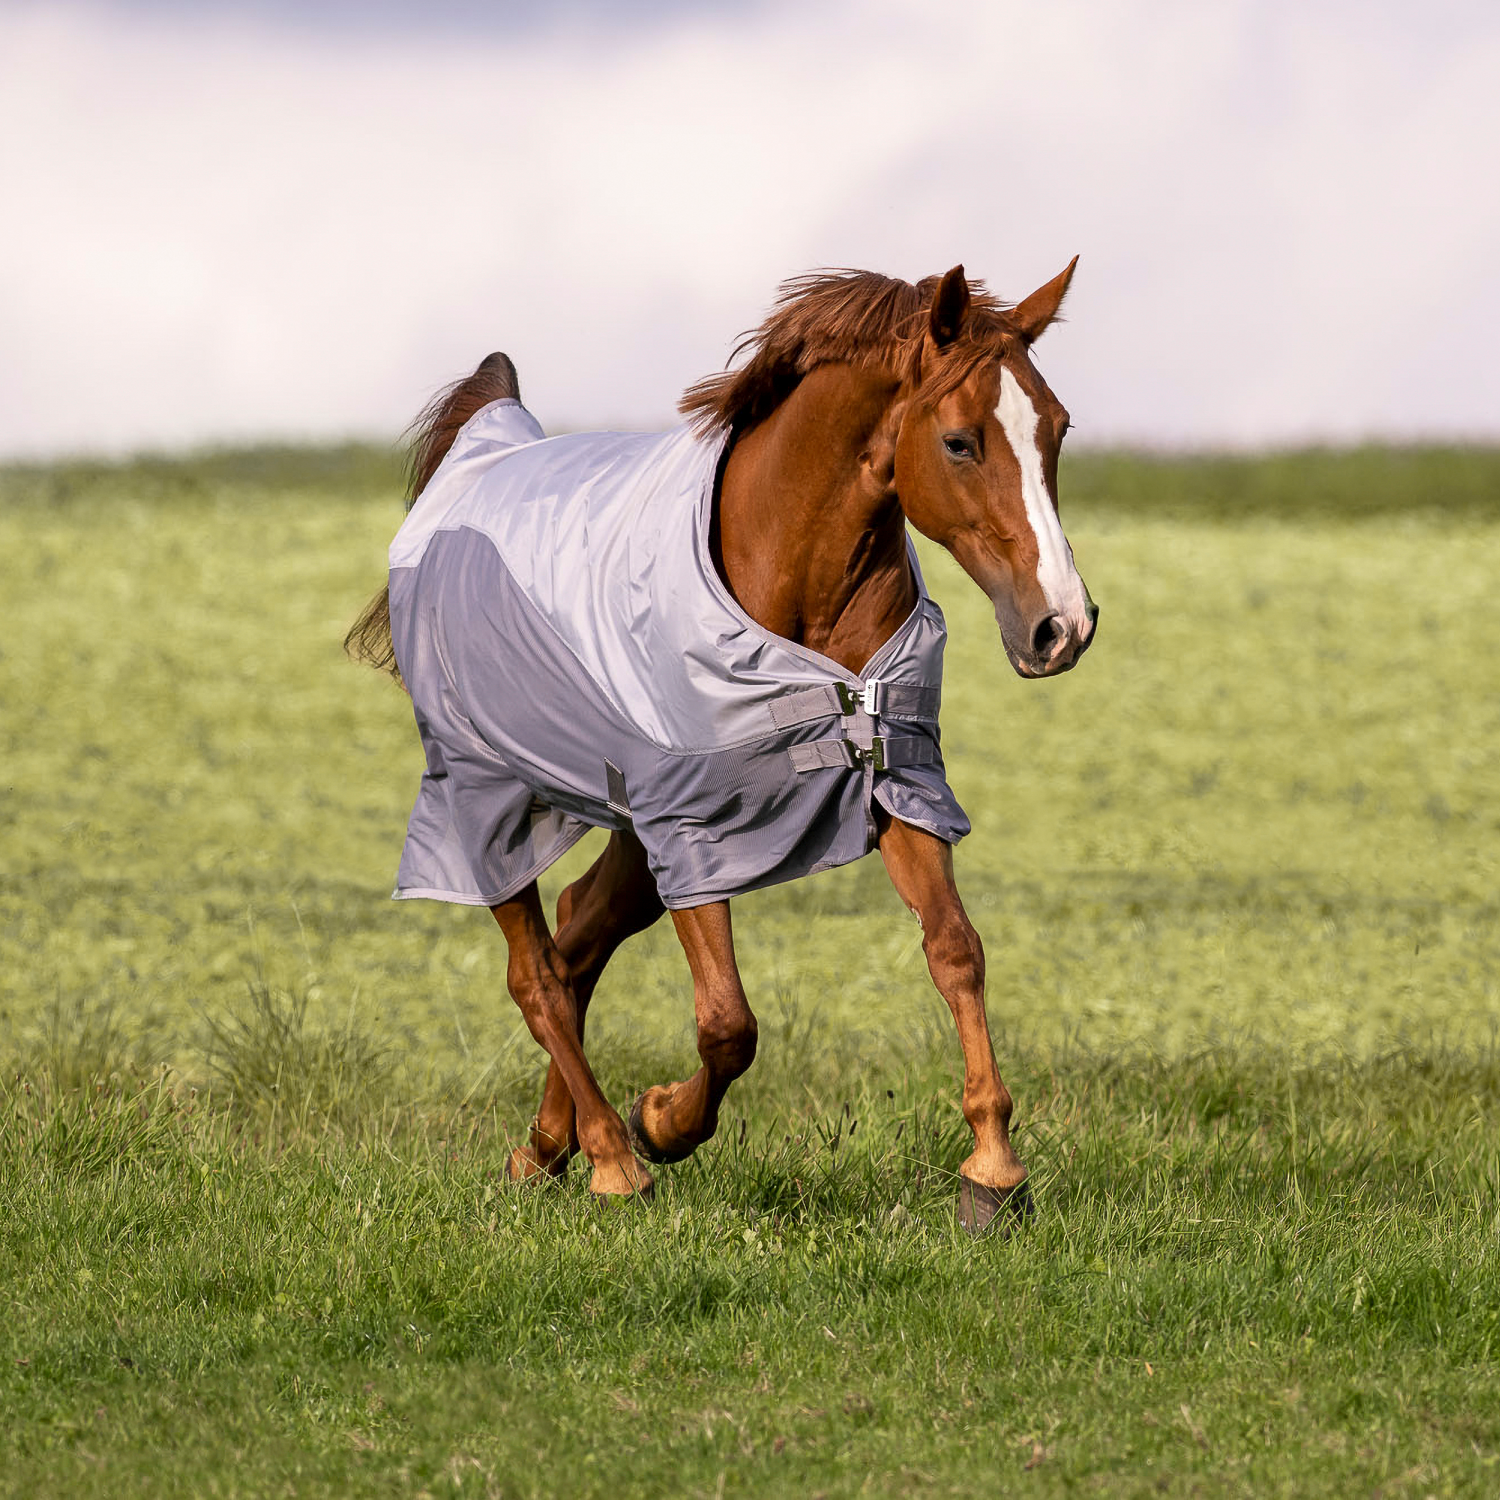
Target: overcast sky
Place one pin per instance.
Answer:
(286, 218)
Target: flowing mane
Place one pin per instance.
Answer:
(841, 317)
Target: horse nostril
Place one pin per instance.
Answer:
(1047, 632)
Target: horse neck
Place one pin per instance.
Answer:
(810, 538)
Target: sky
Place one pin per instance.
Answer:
(294, 219)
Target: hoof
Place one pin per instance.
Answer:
(642, 1144)
(612, 1185)
(524, 1167)
(986, 1210)
(613, 1203)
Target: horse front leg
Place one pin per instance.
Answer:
(612, 900)
(542, 988)
(672, 1120)
(921, 869)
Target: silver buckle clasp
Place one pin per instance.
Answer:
(851, 698)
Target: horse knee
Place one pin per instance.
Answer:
(727, 1040)
(955, 955)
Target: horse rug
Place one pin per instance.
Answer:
(574, 659)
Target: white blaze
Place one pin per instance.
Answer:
(1055, 572)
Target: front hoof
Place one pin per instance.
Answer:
(613, 1185)
(986, 1210)
(642, 1144)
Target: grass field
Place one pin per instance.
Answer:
(1237, 880)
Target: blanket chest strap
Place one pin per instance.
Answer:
(887, 700)
(885, 752)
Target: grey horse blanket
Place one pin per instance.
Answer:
(574, 659)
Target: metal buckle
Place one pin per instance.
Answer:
(851, 698)
(875, 754)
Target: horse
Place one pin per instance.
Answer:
(862, 405)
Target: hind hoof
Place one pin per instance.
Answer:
(642, 1144)
(523, 1166)
(987, 1210)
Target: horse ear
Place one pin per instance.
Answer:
(949, 304)
(1039, 310)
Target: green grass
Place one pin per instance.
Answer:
(1237, 880)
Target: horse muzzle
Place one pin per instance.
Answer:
(1055, 643)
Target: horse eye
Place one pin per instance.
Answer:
(959, 447)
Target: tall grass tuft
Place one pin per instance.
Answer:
(84, 1041)
(265, 1056)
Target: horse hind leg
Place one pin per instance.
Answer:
(542, 988)
(672, 1120)
(612, 900)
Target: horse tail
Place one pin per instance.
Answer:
(432, 435)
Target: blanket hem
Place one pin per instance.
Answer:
(555, 852)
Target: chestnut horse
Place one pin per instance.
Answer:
(865, 403)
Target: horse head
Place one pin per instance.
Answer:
(976, 469)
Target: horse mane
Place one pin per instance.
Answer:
(431, 436)
(851, 317)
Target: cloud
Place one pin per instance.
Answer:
(227, 226)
